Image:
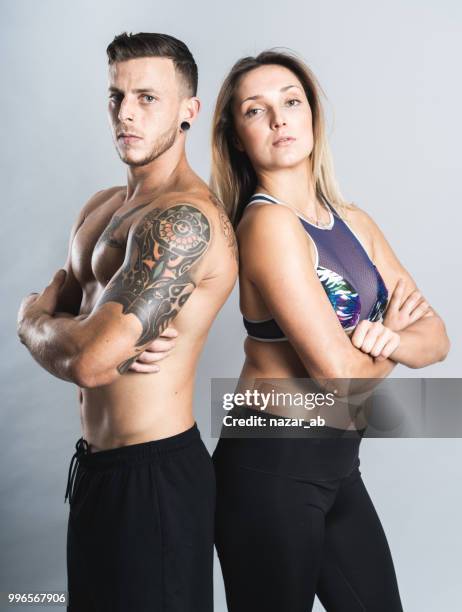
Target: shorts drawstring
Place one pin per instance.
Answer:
(81, 448)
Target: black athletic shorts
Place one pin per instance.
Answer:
(141, 524)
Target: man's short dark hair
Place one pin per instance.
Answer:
(146, 44)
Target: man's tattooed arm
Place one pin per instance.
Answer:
(159, 274)
(155, 280)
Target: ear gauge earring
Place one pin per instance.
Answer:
(185, 126)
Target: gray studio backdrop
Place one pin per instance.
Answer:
(390, 72)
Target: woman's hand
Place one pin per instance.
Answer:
(400, 314)
(380, 340)
(158, 349)
(375, 339)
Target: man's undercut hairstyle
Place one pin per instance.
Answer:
(146, 44)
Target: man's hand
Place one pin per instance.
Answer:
(375, 339)
(157, 350)
(400, 314)
(35, 305)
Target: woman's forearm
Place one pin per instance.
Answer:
(354, 372)
(422, 343)
(365, 372)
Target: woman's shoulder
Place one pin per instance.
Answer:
(352, 213)
(262, 219)
(363, 225)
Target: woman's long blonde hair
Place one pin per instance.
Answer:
(233, 178)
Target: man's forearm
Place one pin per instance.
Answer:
(85, 350)
(422, 343)
(53, 343)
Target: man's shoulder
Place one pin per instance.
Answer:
(202, 199)
(201, 204)
(175, 219)
(196, 213)
(99, 198)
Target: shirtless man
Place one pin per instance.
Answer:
(140, 531)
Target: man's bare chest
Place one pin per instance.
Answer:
(99, 246)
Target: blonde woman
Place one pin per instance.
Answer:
(324, 296)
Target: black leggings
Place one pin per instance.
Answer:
(294, 519)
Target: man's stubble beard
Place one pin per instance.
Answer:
(163, 144)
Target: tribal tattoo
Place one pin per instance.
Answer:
(226, 226)
(155, 280)
(108, 235)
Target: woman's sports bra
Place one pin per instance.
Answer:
(349, 277)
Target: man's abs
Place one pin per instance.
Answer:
(136, 408)
(140, 407)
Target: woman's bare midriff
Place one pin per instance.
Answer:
(271, 360)
(275, 366)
